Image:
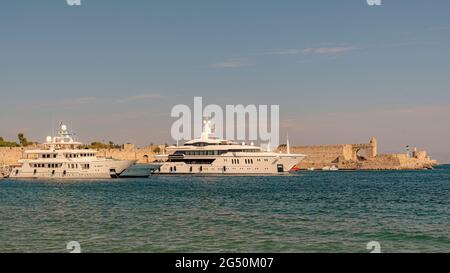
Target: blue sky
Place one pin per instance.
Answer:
(341, 71)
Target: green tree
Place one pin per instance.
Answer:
(157, 150)
(4, 143)
(23, 141)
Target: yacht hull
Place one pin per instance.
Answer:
(98, 170)
(281, 164)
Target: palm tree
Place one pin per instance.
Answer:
(22, 140)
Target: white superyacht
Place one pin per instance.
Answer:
(62, 157)
(210, 155)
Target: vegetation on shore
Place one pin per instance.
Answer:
(23, 142)
(101, 145)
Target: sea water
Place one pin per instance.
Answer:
(404, 211)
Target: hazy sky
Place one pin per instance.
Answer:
(341, 71)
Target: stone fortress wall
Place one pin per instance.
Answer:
(360, 157)
(10, 156)
(343, 156)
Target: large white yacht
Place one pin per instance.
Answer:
(62, 157)
(210, 155)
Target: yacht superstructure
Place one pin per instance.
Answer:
(210, 155)
(62, 157)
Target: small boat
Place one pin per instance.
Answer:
(330, 168)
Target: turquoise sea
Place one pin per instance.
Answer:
(405, 211)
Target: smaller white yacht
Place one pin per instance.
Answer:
(62, 157)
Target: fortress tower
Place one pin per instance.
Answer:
(373, 151)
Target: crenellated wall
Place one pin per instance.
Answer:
(360, 157)
(10, 156)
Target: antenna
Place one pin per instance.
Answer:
(269, 144)
(288, 148)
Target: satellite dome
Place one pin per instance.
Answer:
(64, 127)
(49, 139)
